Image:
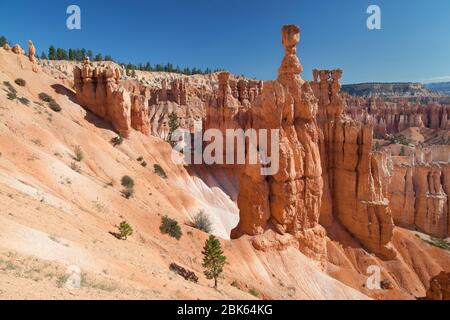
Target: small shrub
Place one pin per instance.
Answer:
(125, 230)
(140, 159)
(9, 87)
(55, 106)
(24, 101)
(20, 82)
(78, 154)
(402, 152)
(75, 167)
(11, 95)
(117, 140)
(45, 97)
(160, 171)
(253, 292)
(127, 182)
(170, 226)
(201, 222)
(144, 164)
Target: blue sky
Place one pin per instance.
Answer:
(243, 36)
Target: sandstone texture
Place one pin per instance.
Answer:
(100, 91)
(355, 178)
(295, 191)
(419, 197)
(31, 51)
(390, 117)
(439, 287)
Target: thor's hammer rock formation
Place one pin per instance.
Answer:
(287, 202)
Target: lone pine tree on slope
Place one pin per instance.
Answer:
(213, 259)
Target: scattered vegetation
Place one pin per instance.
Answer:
(45, 97)
(117, 140)
(213, 259)
(170, 226)
(9, 86)
(11, 92)
(141, 160)
(3, 41)
(402, 152)
(377, 146)
(11, 95)
(78, 154)
(169, 67)
(253, 292)
(75, 167)
(55, 106)
(73, 54)
(24, 101)
(20, 82)
(125, 230)
(51, 102)
(78, 54)
(437, 242)
(159, 171)
(400, 139)
(128, 183)
(201, 222)
(174, 124)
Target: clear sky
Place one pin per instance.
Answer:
(243, 36)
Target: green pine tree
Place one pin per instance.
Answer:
(52, 53)
(3, 41)
(213, 259)
(174, 124)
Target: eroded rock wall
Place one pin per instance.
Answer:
(99, 90)
(390, 117)
(418, 194)
(355, 192)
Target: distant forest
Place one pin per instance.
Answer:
(78, 54)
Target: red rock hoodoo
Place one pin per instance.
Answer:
(100, 91)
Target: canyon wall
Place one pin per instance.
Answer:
(327, 170)
(355, 192)
(390, 117)
(439, 287)
(418, 195)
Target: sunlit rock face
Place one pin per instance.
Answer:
(100, 91)
(356, 179)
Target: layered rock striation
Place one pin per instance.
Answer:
(418, 193)
(355, 191)
(390, 117)
(99, 90)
